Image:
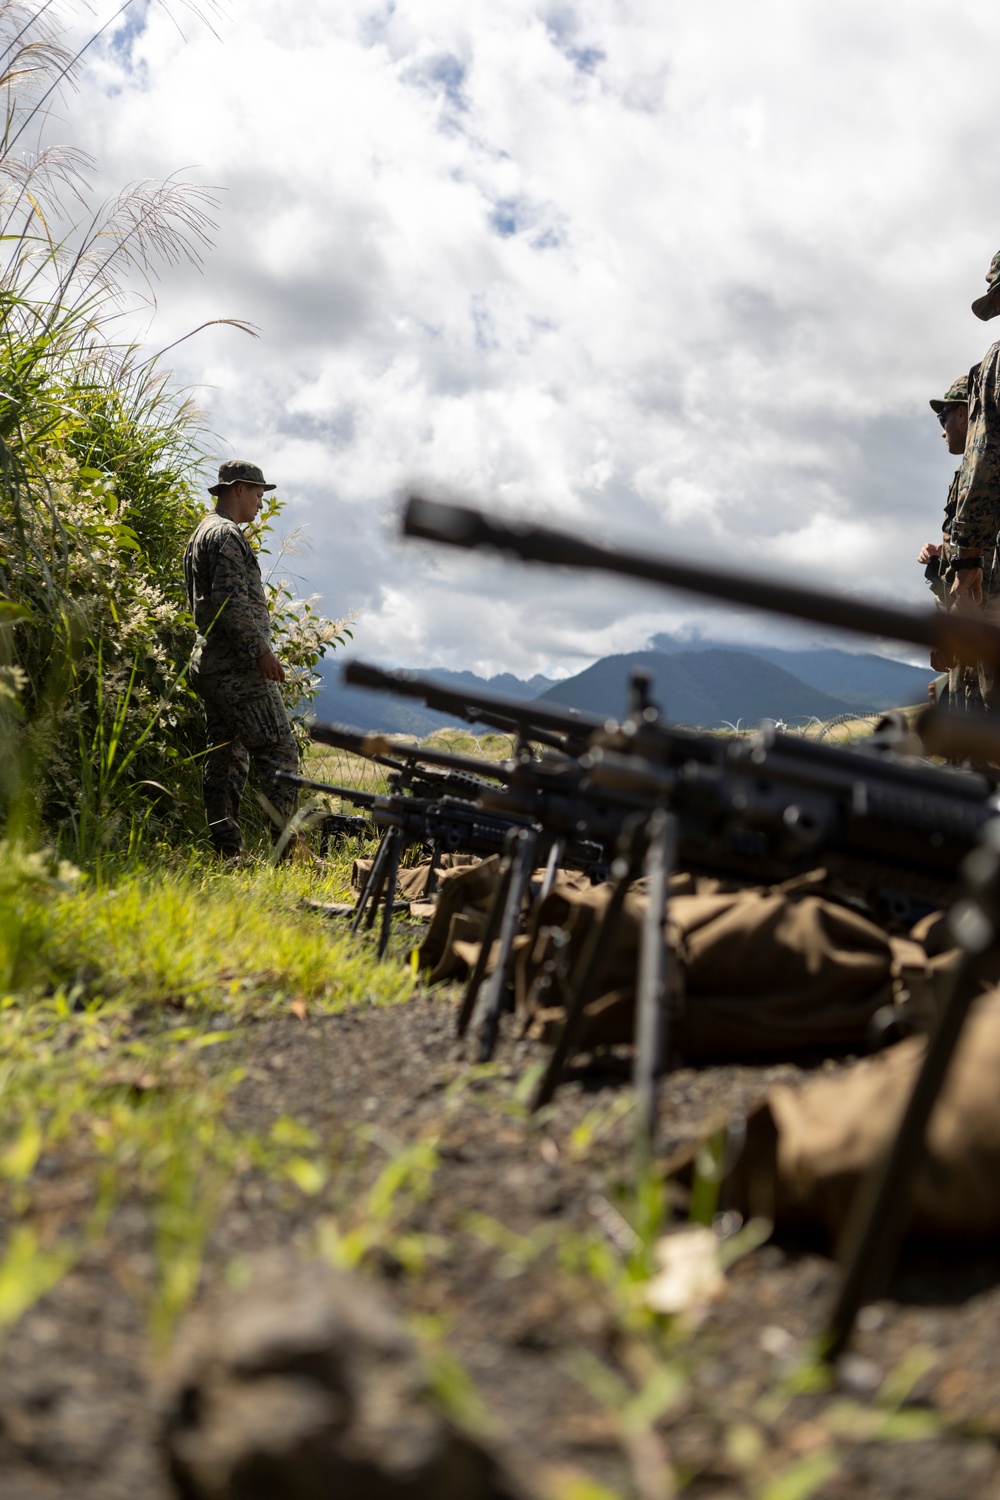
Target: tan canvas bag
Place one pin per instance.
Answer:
(808, 1147)
(412, 882)
(755, 973)
(464, 897)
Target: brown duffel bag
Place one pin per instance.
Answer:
(411, 882)
(451, 945)
(755, 973)
(463, 903)
(807, 1148)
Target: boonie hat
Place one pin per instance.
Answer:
(235, 471)
(956, 393)
(988, 305)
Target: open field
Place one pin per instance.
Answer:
(197, 1068)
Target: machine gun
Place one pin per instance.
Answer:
(407, 761)
(883, 1204)
(413, 781)
(345, 793)
(892, 829)
(889, 825)
(432, 801)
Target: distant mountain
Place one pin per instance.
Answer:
(705, 687)
(694, 683)
(339, 703)
(863, 680)
(503, 682)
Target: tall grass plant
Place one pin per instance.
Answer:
(99, 460)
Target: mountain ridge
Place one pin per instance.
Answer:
(706, 689)
(704, 686)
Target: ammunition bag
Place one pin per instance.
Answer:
(458, 925)
(463, 903)
(411, 883)
(755, 973)
(807, 1148)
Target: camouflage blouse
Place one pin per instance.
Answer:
(977, 507)
(226, 597)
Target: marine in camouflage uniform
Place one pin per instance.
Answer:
(977, 504)
(952, 411)
(234, 671)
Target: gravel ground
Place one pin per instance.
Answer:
(915, 1412)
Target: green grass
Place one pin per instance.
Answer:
(110, 997)
(194, 937)
(214, 939)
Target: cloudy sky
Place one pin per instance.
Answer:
(682, 275)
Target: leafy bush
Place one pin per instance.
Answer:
(98, 454)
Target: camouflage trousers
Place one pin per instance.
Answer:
(247, 722)
(967, 687)
(989, 686)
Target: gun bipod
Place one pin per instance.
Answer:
(524, 844)
(589, 969)
(494, 917)
(652, 990)
(369, 885)
(647, 844)
(883, 1203)
(396, 843)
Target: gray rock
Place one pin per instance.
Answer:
(304, 1385)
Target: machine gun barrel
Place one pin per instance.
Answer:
(357, 742)
(477, 707)
(347, 793)
(385, 752)
(968, 639)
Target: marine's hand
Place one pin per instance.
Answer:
(270, 667)
(967, 588)
(929, 550)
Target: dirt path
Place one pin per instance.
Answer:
(502, 1238)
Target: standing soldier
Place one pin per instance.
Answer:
(234, 671)
(952, 411)
(977, 509)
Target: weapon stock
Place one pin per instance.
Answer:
(968, 639)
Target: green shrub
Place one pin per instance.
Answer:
(99, 455)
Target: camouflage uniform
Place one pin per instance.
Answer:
(977, 505)
(977, 499)
(245, 712)
(963, 681)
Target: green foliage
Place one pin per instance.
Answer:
(28, 881)
(99, 456)
(110, 1000)
(377, 1217)
(195, 937)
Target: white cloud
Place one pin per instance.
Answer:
(681, 275)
